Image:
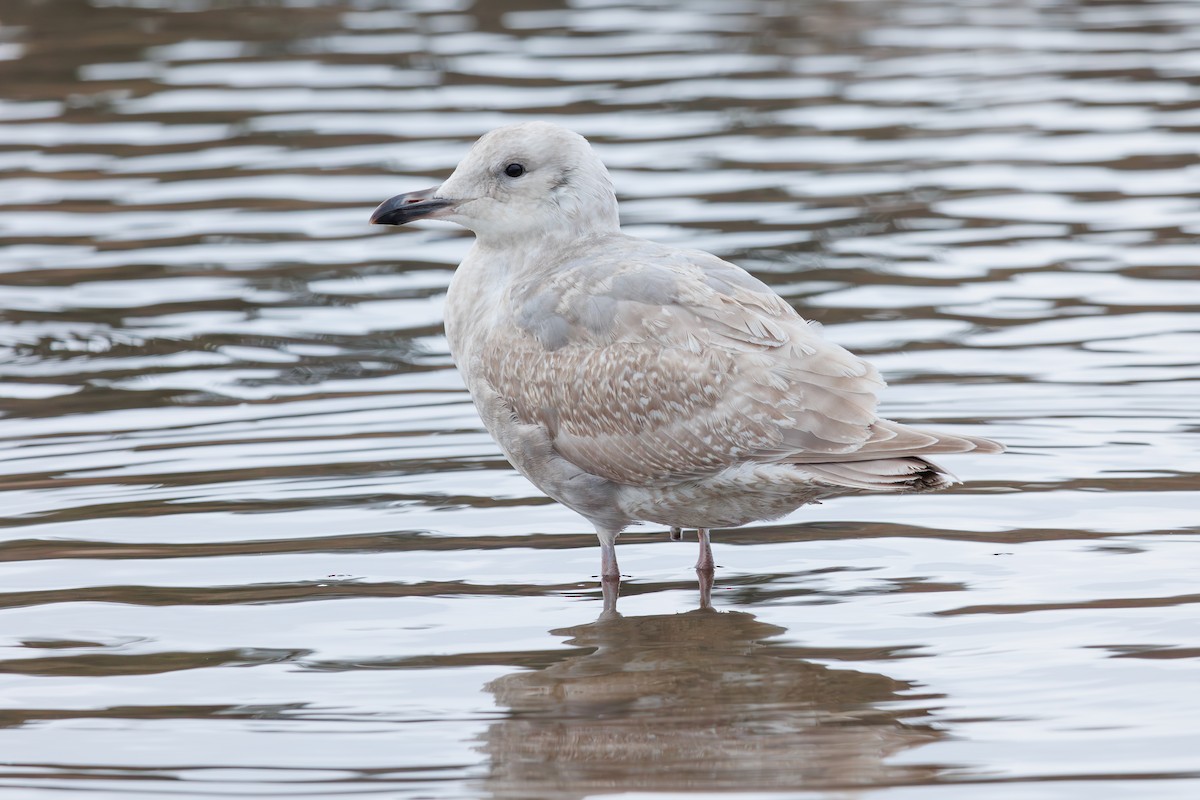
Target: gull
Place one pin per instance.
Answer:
(638, 382)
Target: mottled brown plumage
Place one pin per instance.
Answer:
(634, 381)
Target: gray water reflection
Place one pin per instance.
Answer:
(697, 701)
(254, 541)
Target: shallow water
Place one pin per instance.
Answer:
(257, 543)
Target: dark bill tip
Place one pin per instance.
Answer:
(406, 207)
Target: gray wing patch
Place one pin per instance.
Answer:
(539, 316)
(648, 284)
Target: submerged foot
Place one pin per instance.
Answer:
(610, 590)
(706, 584)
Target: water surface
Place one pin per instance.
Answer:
(256, 542)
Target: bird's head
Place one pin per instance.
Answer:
(535, 179)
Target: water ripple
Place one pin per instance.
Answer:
(245, 493)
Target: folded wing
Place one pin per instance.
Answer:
(656, 365)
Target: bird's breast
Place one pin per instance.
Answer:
(474, 313)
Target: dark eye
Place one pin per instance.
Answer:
(514, 170)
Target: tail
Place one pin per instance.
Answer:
(883, 475)
(893, 459)
(893, 440)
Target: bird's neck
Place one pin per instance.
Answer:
(533, 241)
(503, 259)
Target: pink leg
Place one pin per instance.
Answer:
(610, 590)
(705, 562)
(609, 571)
(706, 584)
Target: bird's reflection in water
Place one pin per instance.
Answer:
(694, 701)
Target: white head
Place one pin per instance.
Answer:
(533, 179)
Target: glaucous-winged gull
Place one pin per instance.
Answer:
(633, 381)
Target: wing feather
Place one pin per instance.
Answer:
(654, 365)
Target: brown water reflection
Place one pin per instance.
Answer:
(254, 541)
(696, 701)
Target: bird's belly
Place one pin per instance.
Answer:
(735, 496)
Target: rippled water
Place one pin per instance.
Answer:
(257, 543)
